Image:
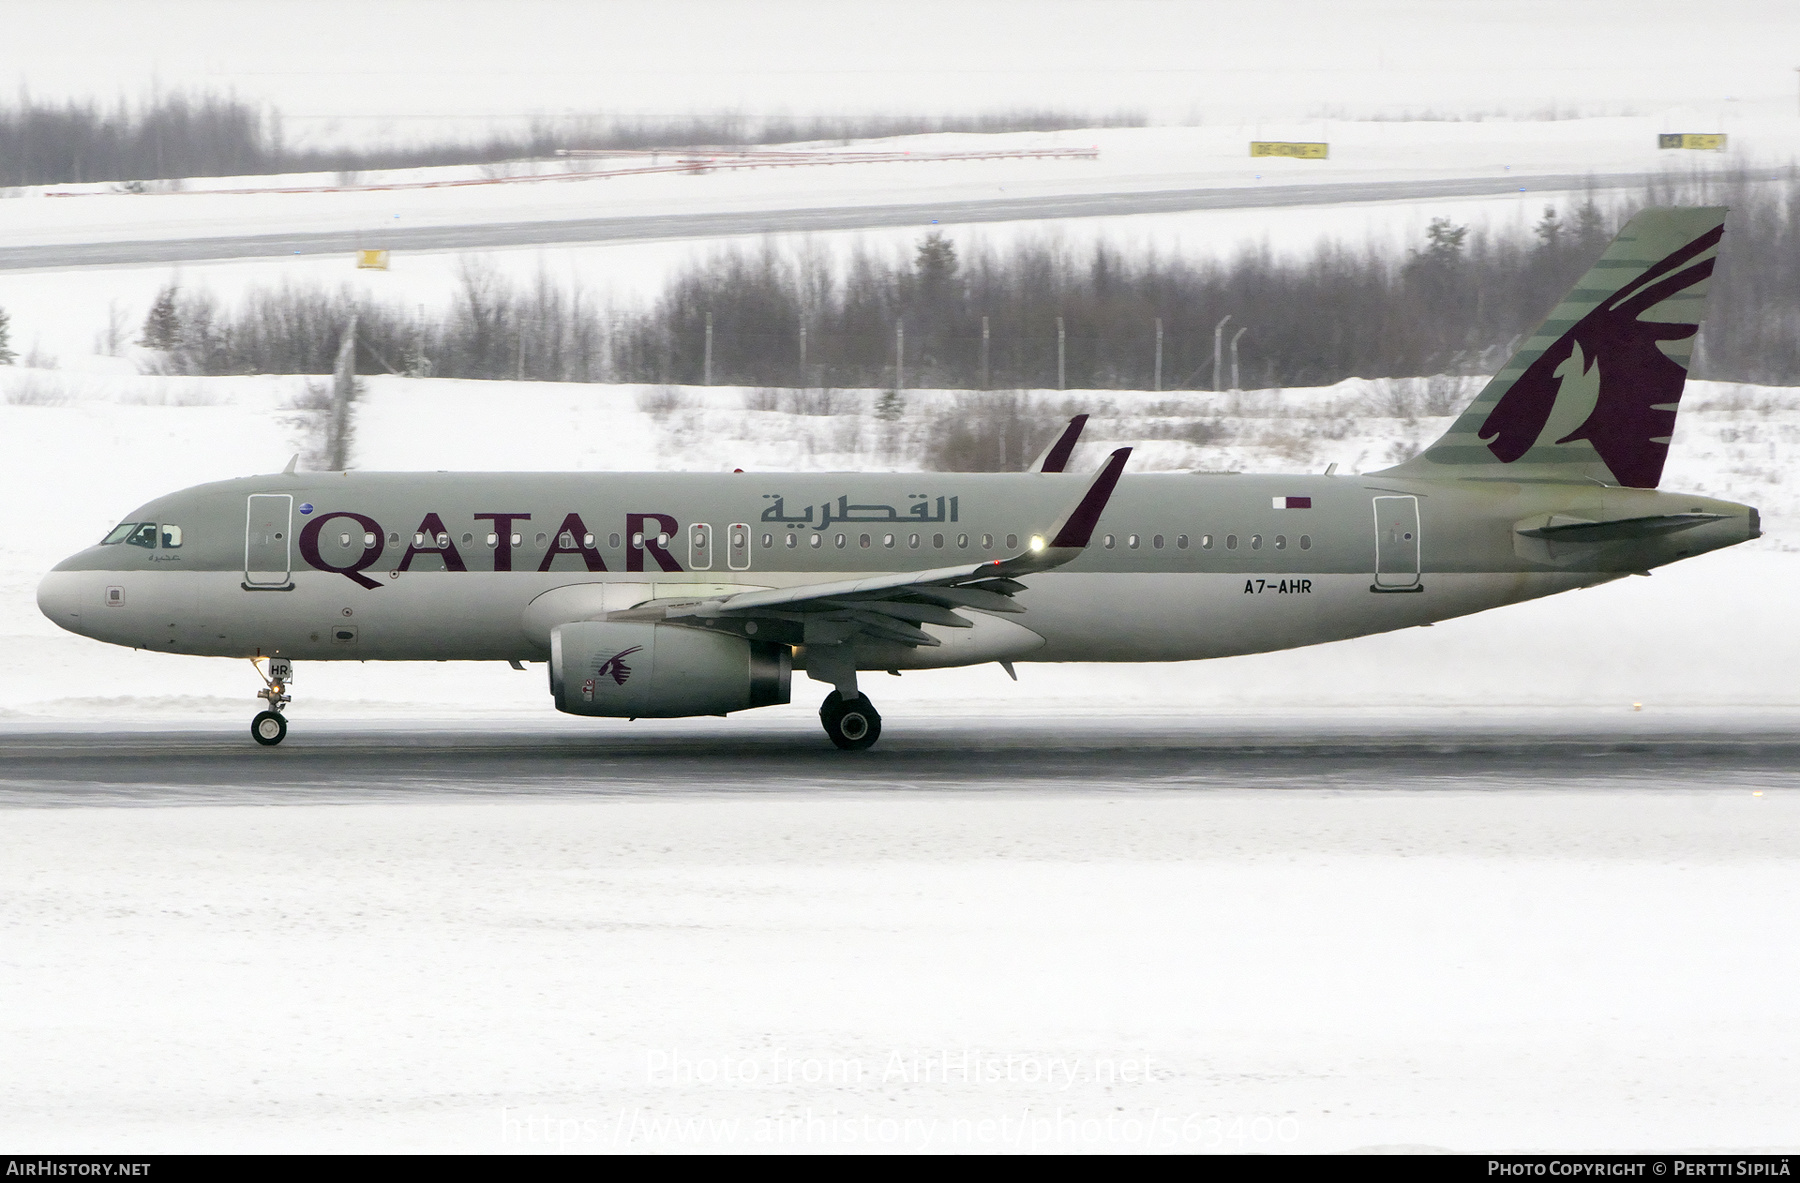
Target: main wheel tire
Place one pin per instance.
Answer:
(268, 729)
(853, 725)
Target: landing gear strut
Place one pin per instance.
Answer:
(852, 724)
(269, 728)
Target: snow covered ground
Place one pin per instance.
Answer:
(1112, 968)
(62, 312)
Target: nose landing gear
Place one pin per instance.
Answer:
(269, 728)
(853, 724)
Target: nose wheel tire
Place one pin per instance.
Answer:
(268, 729)
(852, 725)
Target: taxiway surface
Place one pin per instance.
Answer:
(723, 224)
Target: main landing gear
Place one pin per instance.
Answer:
(853, 724)
(269, 727)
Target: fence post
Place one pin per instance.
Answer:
(1218, 350)
(1060, 383)
(1157, 380)
(1234, 365)
(984, 353)
(707, 379)
(899, 355)
(802, 353)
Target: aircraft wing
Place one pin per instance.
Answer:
(892, 607)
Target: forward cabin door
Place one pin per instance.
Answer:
(268, 539)
(1396, 544)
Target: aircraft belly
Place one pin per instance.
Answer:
(1183, 617)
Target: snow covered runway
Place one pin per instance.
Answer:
(1368, 932)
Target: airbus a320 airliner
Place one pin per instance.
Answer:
(667, 595)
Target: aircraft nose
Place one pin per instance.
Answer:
(59, 598)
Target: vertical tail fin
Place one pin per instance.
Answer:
(1592, 394)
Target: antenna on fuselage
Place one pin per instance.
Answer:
(292, 464)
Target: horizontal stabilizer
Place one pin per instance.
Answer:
(1564, 529)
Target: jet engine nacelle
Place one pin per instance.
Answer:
(622, 669)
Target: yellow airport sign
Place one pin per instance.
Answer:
(1707, 142)
(372, 260)
(1279, 148)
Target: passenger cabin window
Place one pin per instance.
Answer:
(1206, 542)
(1181, 541)
(1231, 542)
(120, 533)
(1132, 542)
(793, 540)
(144, 536)
(1281, 542)
(1012, 542)
(987, 542)
(1108, 542)
(1306, 542)
(1157, 542)
(171, 536)
(1256, 542)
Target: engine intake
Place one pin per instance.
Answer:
(620, 669)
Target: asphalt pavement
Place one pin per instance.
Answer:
(343, 764)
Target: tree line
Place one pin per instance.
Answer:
(1032, 314)
(204, 135)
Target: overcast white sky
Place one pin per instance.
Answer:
(374, 67)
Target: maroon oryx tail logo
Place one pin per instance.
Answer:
(1639, 384)
(616, 667)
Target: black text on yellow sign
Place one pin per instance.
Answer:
(1297, 151)
(1706, 142)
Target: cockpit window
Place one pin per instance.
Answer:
(118, 534)
(144, 535)
(171, 536)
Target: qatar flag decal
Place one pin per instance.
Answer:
(1293, 502)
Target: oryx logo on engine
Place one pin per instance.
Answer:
(615, 667)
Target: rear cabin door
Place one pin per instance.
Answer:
(268, 539)
(1396, 544)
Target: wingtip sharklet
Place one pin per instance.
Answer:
(1055, 458)
(1078, 528)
